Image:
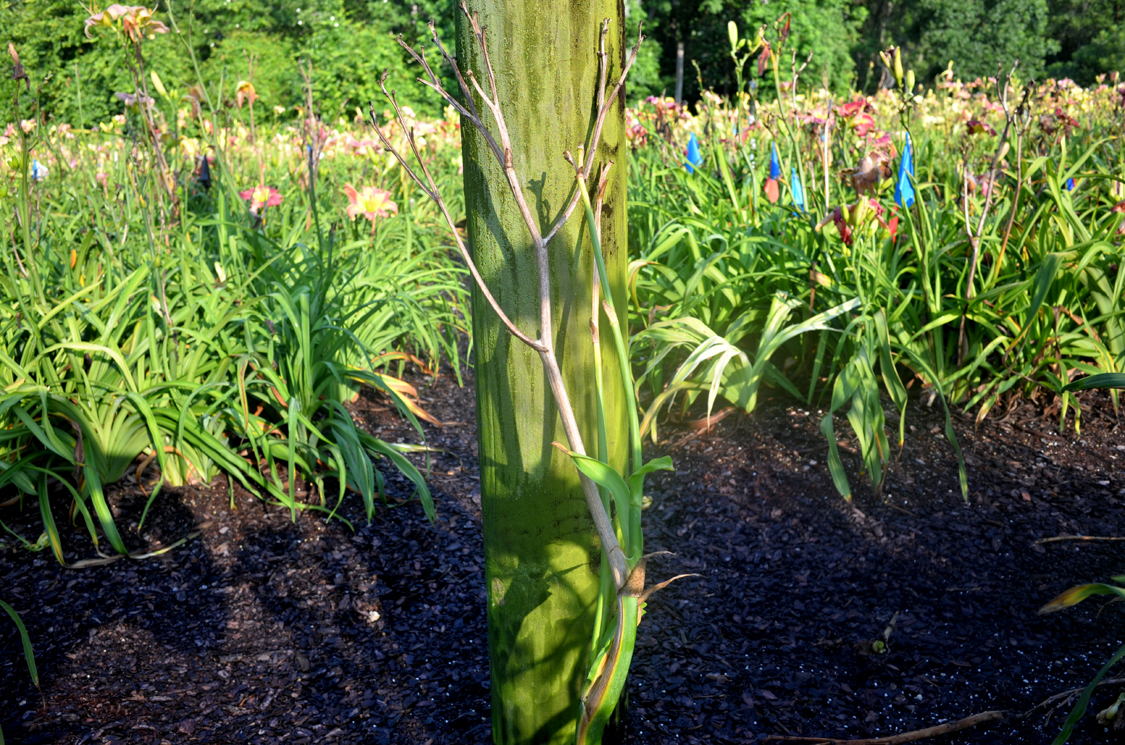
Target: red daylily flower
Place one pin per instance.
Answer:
(855, 217)
(976, 126)
(850, 109)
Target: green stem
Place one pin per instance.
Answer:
(618, 339)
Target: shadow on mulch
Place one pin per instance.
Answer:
(269, 629)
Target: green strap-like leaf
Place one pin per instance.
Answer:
(1084, 701)
(1101, 380)
(28, 653)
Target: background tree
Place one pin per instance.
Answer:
(1090, 36)
(975, 35)
(827, 28)
(351, 41)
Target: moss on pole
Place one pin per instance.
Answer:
(541, 551)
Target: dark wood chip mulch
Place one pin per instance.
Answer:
(267, 629)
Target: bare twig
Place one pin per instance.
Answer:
(430, 188)
(1023, 121)
(919, 734)
(1057, 538)
(974, 238)
(1066, 694)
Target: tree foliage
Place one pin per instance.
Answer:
(977, 36)
(350, 43)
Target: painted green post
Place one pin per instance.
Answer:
(541, 550)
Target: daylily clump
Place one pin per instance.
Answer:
(860, 214)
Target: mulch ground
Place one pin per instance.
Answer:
(266, 629)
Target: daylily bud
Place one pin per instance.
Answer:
(158, 83)
(860, 211)
(910, 81)
(898, 65)
(1004, 150)
(1108, 715)
(732, 32)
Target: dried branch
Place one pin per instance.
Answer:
(1054, 539)
(914, 736)
(1066, 694)
(430, 188)
(974, 240)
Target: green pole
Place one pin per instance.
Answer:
(542, 553)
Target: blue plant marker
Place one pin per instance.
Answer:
(1070, 184)
(694, 155)
(775, 164)
(798, 191)
(904, 189)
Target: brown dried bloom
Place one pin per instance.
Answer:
(18, 72)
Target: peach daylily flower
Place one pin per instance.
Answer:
(244, 92)
(136, 21)
(372, 202)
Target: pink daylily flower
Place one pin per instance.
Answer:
(372, 202)
(260, 197)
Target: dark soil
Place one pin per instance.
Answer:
(269, 629)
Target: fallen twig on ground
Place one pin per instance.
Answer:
(1053, 539)
(1071, 692)
(919, 734)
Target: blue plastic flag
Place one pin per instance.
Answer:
(775, 164)
(904, 189)
(1070, 184)
(38, 170)
(798, 191)
(694, 154)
